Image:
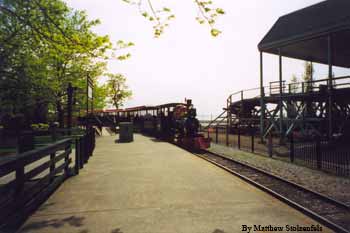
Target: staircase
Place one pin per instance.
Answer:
(219, 121)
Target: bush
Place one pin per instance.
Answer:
(40, 126)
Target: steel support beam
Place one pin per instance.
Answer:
(330, 87)
(281, 93)
(262, 95)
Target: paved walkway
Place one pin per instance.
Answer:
(153, 187)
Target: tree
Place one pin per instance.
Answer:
(44, 45)
(294, 84)
(308, 76)
(117, 90)
(100, 94)
(160, 16)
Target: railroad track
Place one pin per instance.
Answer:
(327, 211)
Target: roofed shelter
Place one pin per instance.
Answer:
(318, 33)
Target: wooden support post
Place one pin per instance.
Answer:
(19, 179)
(262, 101)
(92, 142)
(281, 93)
(87, 146)
(330, 87)
(239, 137)
(53, 133)
(77, 157)
(66, 160)
(81, 152)
(52, 166)
(216, 134)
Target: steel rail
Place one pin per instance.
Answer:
(329, 199)
(326, 222)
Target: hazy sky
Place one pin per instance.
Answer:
(186, 61)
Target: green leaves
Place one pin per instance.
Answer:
(121, 45)
(116, 89)
(160, 16)
(215, 32)
(220, 11)
(207, 14)
(46, 45)
(124, 57)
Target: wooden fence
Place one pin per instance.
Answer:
(27, 179)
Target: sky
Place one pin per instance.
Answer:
(186, 61)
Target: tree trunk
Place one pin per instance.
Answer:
(60, 114)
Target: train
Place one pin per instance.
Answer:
(173, 122)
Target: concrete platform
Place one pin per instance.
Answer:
(153, 187)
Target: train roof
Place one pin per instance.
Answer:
(140, 108)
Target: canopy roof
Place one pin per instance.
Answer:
(303, 33)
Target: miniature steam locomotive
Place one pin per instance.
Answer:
(184, 127)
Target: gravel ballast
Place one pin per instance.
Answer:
(328, 184)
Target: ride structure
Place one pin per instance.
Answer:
(316, 108)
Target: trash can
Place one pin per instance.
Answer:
(126, 132)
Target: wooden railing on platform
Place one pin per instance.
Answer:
(27, 179)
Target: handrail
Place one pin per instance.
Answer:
(213, 121)
(297, 86)
(15, 193)
(8, 165)
(29, 178)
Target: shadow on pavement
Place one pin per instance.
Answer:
(55, 223)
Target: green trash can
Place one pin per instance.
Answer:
(126, 132)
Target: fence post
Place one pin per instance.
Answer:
(54, 133)
(52, 166)
(77, 156)
(270, 144)
(90, 143)
(86, 147)
(291, 152)
(239, 137)
(252, 136)
(93, 139)
(216, 134)
(66, 159)
(81, 152)
(19, 179)
(227, 134)
(318, 153)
